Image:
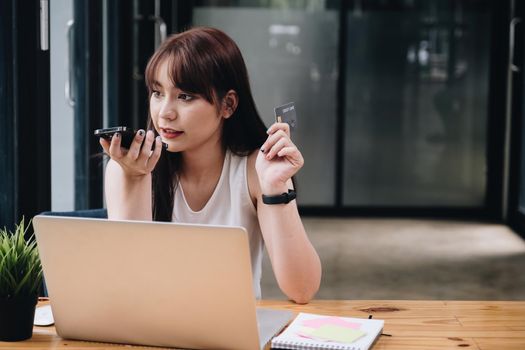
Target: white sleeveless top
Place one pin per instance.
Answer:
(230, 204)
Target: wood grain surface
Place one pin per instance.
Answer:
(482, 325)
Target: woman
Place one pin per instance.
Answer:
(220, 160)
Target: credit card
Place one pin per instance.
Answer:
(286, 114)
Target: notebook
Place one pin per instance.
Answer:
(153, 283)
(312, 331)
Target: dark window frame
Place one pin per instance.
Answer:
(88, 108)
(515, 217)
(25, 113)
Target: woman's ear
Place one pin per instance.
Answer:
(229, 104)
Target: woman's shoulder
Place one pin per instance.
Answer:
(250, 158)
(251, 174)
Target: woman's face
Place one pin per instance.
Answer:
(184, 121)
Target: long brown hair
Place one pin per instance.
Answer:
(207, 62)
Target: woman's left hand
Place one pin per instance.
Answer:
(278, 160)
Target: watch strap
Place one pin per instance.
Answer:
(283, 198)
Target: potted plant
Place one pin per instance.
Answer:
(20, 281)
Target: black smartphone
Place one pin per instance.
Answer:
(127, 135)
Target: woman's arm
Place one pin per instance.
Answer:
(127, 197)
(294, 260)
(128, 177)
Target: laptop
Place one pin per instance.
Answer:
(153, 283)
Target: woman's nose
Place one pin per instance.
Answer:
(167, 110)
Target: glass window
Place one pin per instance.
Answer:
(290, 49)
(417, 78)
(62, 101)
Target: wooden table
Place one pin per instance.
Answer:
(440, 325)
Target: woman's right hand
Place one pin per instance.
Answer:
(136, 161)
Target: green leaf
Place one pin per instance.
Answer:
(20, 266)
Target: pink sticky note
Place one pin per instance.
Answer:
(332, 320)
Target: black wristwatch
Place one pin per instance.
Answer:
(283, 198)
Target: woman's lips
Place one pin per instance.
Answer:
(170, 133)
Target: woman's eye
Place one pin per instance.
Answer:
(155, 94)
(185, 97)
